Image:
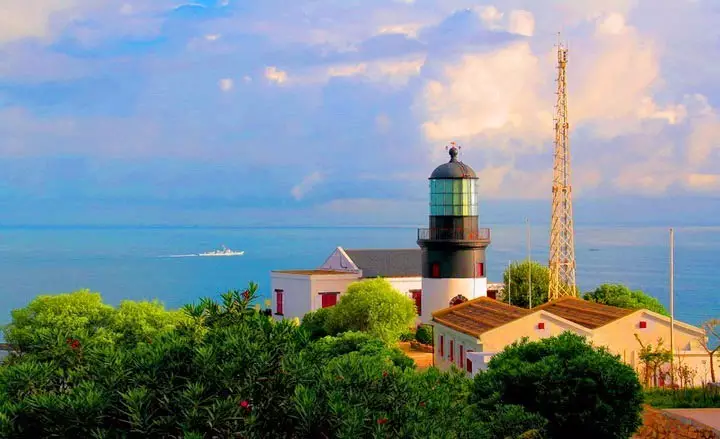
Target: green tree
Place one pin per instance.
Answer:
(375, 307)
(83, 316)
(623, 297)
(243, 375)
(516, 279)
(314, 322)
(582, 391)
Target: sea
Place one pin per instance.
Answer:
(136, 263)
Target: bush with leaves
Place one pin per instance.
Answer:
(232, 371)
(516, 280)
(581, 390)
(623, 297)
(375, 307)
(314, 322)
(424, 335)
(47, 321)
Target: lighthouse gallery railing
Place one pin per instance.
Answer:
(453, 234)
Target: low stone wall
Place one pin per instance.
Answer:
(659, 424)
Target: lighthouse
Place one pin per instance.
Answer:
(453, 247)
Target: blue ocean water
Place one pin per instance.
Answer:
(131, 263)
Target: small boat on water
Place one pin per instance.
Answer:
(223, 252)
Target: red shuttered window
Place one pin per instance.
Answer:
(329, 299)
(451, 354)
(279, 302)
(461, 360)
(417, 298)
(480, 270)
(442, 346)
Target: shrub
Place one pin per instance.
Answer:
(684, 398)
(515, 279)
(408, 335)
(424, 335)
(375, 307)
(314, 323)
(82, 316)
(576, 387)
(234, 372)
(623, 297)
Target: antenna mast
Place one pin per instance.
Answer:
(562, 239)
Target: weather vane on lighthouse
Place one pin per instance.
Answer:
(451, 146)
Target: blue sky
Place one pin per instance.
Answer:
(336, 111)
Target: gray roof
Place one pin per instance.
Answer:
(453, 169)
(388, 262)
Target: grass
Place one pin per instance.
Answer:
(683, 398)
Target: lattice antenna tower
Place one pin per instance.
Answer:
(562, 236)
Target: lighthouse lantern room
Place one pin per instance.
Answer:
(453, 247)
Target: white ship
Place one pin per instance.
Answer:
(224, 252)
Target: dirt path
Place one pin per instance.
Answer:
(423, 360)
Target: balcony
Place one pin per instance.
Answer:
(482, 235)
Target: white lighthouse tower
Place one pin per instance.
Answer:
(453, 247)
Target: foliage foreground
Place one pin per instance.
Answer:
(226, 370)
(230, 371)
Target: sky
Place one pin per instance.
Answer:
(336, 111)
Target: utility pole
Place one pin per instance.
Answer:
(562, 231)
(672, 306)
(529, 264)
(509, 271)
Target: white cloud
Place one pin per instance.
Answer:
(212, 37)
(495, 95)
(30, 18)
(306, 185)
(273, 74)
(522, 23)
(490, 15)
(408, 29)
(226, 84)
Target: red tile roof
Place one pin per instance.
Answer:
(583, 312)
(478, 315)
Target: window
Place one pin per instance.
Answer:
(451, 354)
(279, 302)
(329, 299)
(461, 360)
(541, 325)
(480, 269)
(435, 270)
(643, 324)
(457, 300)
(442, 346)
(417, 298)
(468, 362)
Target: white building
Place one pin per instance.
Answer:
(469, 334)
(297, 292)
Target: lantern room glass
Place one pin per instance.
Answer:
(453, 197)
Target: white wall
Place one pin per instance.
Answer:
(479, 361)
(296, 297)
(329, 284)
(458, 338)
(405, 284)
(437, 293)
